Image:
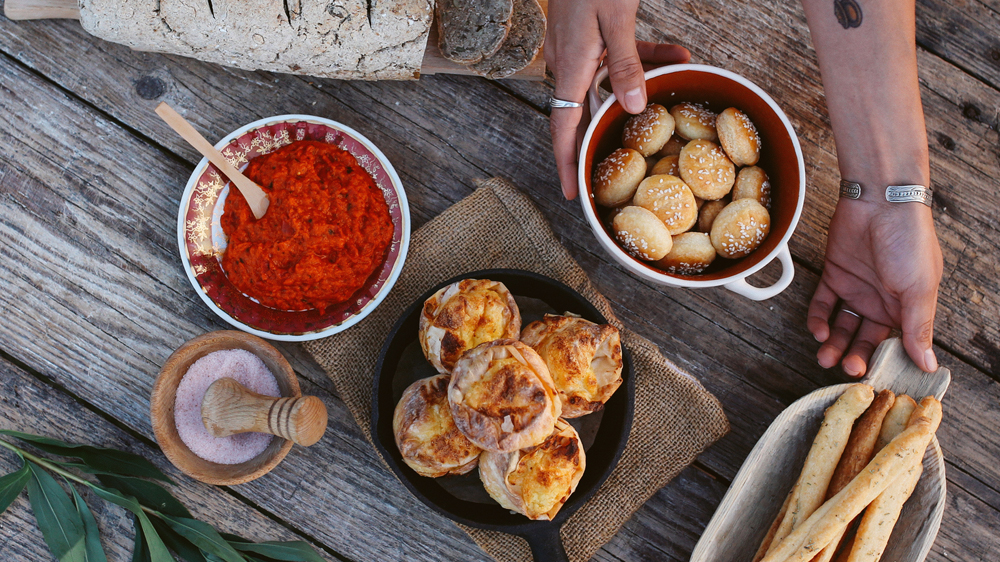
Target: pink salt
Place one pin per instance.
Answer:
(249, 371)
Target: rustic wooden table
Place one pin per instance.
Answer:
(94, 298)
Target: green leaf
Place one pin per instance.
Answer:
(293, 551)
(40, 440)
(58, 519)
(95, 459)
(178, 544)
(11, 486)
(157, 550)
(148, 493)
(139, 551)
(93, 551)
(204, 536)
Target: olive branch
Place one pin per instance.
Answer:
(162, 523)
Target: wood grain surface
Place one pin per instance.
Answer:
(96, 298)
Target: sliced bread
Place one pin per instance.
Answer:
(524, 40)
(471, 30)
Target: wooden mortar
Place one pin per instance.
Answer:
(161, 407)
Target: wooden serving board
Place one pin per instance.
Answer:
(433, 62)
(760, 487)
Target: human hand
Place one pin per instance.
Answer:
(579, 32)
(883, 262)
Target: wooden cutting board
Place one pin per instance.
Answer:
(433, 63)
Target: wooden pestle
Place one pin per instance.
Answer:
(229, 408)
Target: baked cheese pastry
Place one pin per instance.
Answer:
(463, 315)
(584, 359)
(536, 481)
(426, 434)
(502, 396)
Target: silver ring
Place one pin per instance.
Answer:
(556, 103)
(851, 312)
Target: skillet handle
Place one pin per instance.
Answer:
(546, 544)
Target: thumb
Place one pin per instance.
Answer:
(918, 328)
(624, 65)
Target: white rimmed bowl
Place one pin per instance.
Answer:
(202, 242)
(781, 158)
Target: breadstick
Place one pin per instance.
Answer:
(888, 465)
(881, 516)
(846, 551)
(769, 537)
(810, 489)
(858, 453)
(896, 420)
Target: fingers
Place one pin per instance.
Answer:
(841, 335)
(820, 308)
(563, 123)
(624, 65)
(659, 54)
(572, 82)
(869, 335)
(918, 328)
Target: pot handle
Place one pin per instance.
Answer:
(594, 94)
(546, 543)
(741, 287)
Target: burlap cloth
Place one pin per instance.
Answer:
(499, 227)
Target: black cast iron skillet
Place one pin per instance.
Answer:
(456, 497)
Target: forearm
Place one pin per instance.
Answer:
(869, 74)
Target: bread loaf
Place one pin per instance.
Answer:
(471, 30)
(524, 40)
(346, 39)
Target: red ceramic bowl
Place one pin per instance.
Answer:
(781, 158)
(202, 241)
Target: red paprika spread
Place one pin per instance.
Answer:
(326, 231)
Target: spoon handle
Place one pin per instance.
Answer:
(252, 192)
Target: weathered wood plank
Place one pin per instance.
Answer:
(964, 33)
(67, 285)
(427, 110)
(35, 407)
(710, 314)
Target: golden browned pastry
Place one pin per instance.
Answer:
(426, 434)
(464, 315)
(536, 481)
(584, 359)
(670, 200)
(752, 183)
(673, 146)
(617, 176)
(706, 169)
(502, 396)
(648, 131)
(666, 165)
(641, 233)
(694, 121)
(708, 212)
(740, 228)
(738, 137)
(691, 254)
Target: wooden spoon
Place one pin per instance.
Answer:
(229, 408)
(252, 192)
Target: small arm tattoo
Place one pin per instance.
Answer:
(848, 13)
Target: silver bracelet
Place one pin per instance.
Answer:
(893, 193)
